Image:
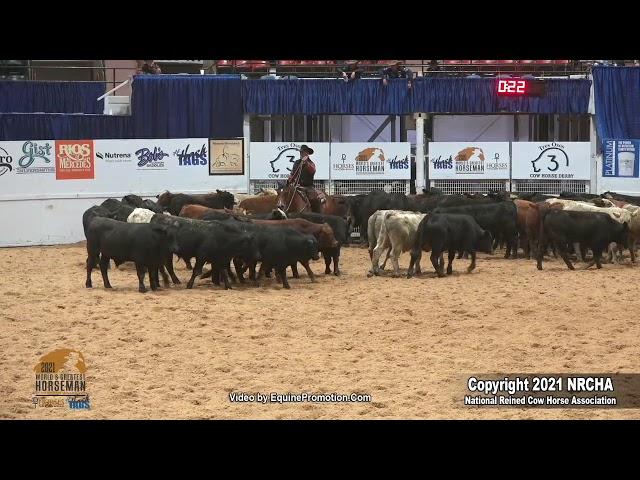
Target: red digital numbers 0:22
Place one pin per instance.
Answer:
(512, 87)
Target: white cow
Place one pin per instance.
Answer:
(140, 215)
(398, 233)
(620, 215)
(373, 232)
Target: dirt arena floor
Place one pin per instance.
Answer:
(409, 344)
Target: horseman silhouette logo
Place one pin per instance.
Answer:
(371, 154)
(370, 161)
(63, 360)
(551, 158)
(470, 160)
(285, 160)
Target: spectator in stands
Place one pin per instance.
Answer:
(397, 70)
(352, 71)
(433, 68)
(150, 67)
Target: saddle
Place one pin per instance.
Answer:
(312, 196)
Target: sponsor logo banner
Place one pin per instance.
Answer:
(274, 160)
(74, 160)
(469, 160)
(371, 161)
(551, 160)
(620, 158)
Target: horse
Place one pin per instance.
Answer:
(292, 199)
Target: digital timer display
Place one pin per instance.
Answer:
(520, 87)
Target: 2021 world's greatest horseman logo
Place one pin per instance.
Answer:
(60, 380)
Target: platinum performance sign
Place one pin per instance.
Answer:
(620, 158)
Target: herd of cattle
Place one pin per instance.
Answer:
(215, 229)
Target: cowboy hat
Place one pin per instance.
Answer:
(304, 148)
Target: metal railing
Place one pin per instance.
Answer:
(31, 71)
(314, 70)
(92, 73)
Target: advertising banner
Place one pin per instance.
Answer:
(551, 160)
(469, 160)
(273, 160)
(620, 158)
(371, 161)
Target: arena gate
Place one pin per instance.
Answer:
(550, 187)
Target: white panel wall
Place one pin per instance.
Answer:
(43, 222)
(38, 209)
(359, 128)
(474, 128)
(625, 186)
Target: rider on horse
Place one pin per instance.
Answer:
(302, 175)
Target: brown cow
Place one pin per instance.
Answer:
(533, 223)
(323, 233)
(198, 211)
(523, 207)
(262, 204)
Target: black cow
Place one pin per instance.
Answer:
(153, 206)
(119, 211)
(339, 227)
(378, 200)
(93, 212)
(452, 233)
(534, 197)
(461, 200)
(173, 203)
(424, 203)
(498, 218)
(353, 212)
(136, 202)
(623, 198)
(281, 247)
(592, 229)
(133, 201)
(582, 197)
(145, 244)
(278, 250)
(90, 214)
(211, 241)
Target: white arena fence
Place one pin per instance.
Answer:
(362, 187)
(451, 187)
(256, 185)
(550, 187)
